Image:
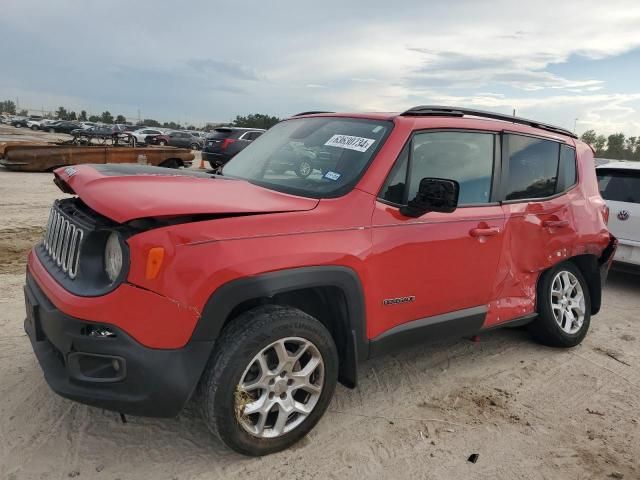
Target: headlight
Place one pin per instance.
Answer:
(113, 257)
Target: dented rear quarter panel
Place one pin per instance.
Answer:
(530, 248)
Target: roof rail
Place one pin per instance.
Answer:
(311, 112)
(438, 110)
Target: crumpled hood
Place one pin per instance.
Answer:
(124, 192)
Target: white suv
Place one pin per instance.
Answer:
(619, 183)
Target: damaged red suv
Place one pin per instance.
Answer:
(255, 290)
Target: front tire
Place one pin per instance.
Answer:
(270, 379)
(564, 307)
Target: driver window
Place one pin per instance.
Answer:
(464, 157)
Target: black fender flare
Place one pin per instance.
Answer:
(226, 297)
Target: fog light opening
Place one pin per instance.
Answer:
(99, 331)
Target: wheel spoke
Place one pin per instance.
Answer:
(281, 421)
(259, 381)
(259, 426)
(308, 369)
(283, 355)
(261, 405)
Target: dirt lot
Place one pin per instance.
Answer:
(530, 412)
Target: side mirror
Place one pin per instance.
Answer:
(434, 195)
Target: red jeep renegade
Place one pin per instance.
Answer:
(256, 289)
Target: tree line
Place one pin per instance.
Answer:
(254, 120)
(616, 146)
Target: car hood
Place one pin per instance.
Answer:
(124, 192)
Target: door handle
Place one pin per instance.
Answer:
(555, 223)
(484, 232)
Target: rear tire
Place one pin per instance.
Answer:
(564, 307)
(262, 349)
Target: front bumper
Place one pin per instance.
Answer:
(116, 372)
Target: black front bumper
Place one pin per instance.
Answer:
(147, 381)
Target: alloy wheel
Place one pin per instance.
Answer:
(280, 387)
(567, 302)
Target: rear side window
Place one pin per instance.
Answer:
(532, 167)
(619, 185)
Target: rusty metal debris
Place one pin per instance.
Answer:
(44, 157)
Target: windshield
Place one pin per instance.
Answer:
(316, 157)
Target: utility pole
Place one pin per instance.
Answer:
(575, 124)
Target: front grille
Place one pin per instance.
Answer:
(62, 242)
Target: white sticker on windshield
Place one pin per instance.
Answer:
(332, 175)
(350, 142)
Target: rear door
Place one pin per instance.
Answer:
(539, 199)
(621, 190)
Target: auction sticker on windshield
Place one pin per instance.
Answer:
(359, 144)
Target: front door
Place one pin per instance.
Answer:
(439, 263)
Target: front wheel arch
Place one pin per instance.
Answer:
(304, 288)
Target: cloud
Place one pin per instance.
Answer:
(230, 69)
(221, 60)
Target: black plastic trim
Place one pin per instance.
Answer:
(441, 110)
(156, 382)
(222, 302)
(448, 325)
(516, 322)
(310, 112)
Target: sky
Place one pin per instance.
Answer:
(571, 63)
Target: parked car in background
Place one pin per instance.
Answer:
(142, 134)
(19, 122)
(619, 184)
(34, 124)
(63, 127)
(47, 122)
(261, 292)
(175, 138)
(198, 134)
(224, 143)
